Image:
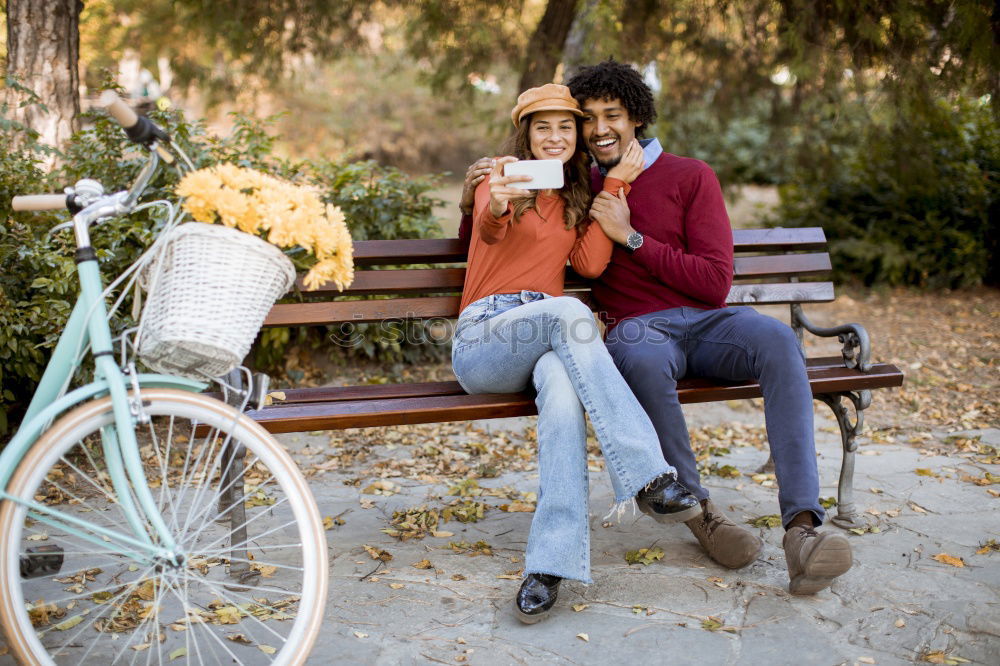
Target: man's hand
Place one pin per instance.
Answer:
(500, 192)
(473, 176)
(630, 165)
(612, 213)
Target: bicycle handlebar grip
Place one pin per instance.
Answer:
(40, 202)
(118, 109)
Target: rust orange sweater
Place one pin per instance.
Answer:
(506, 257)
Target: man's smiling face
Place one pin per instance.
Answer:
(607, 130)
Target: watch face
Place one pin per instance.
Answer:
(634, 240)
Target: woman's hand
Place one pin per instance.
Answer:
(630, 165)
(473, 176)
(613, 214)
(500, 192)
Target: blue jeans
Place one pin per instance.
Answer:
(503, 342)
(655, 350)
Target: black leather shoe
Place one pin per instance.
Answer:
(536, 597)
(666, 500)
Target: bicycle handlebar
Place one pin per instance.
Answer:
(139, 129)
(118, 109)
(40, 202)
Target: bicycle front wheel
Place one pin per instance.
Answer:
(249, 587)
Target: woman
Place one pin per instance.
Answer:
(516, 327)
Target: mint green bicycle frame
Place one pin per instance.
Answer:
(88, 322)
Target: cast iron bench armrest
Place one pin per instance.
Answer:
(857, 351)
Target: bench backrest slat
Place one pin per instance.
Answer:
(767, 269)
(446, 307)
(450, 250)
(444, 280)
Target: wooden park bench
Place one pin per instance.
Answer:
(773, 266)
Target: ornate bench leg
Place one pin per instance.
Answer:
(847, 516)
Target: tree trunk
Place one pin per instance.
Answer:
(43, 53)
(545, 48)
(579, 42)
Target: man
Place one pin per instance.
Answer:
(663, 298)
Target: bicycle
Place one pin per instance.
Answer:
(128, 503)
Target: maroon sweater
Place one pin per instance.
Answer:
(686, 258)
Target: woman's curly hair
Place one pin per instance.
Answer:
(615, 80)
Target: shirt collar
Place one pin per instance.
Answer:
(651, 151)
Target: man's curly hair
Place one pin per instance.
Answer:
(615, 80)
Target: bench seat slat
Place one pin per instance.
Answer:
(428, 389)
(411, 409)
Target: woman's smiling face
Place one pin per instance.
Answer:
(552, 135)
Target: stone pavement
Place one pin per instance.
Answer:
(896, 605)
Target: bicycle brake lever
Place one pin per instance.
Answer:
(59, 227)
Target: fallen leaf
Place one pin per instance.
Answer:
(239, 638)
(644, 556)
(579, 607)
(378, 553)
(583, 637)
(70, 623)
(178, 653)
(360, 634)
(266, 649)
(988, 547)
(711, 624)
(769, 521)
(422, 564)
(900, 623)
(518, 507)
(944, 558)
(866, 660)
(923, 471)
(396, 586)
(441, 534)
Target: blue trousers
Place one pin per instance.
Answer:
(655, 350)
(505, 342)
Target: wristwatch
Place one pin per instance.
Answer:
(634, 241)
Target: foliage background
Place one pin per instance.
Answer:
(37, 273)
(877, 121)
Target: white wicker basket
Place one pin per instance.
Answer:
(209, 290)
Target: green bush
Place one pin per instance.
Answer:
(915, 203)
(37, 281)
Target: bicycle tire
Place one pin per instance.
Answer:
(194, 609)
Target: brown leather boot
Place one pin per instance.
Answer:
(814, 558)
(725, 542)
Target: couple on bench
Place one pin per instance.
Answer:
(656, 241)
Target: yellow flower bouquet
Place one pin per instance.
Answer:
(284, 214)
(212, 281)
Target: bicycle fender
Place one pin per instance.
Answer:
(149, 380)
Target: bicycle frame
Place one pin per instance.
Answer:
(88, 323)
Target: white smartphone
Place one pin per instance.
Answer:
(545, 174)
